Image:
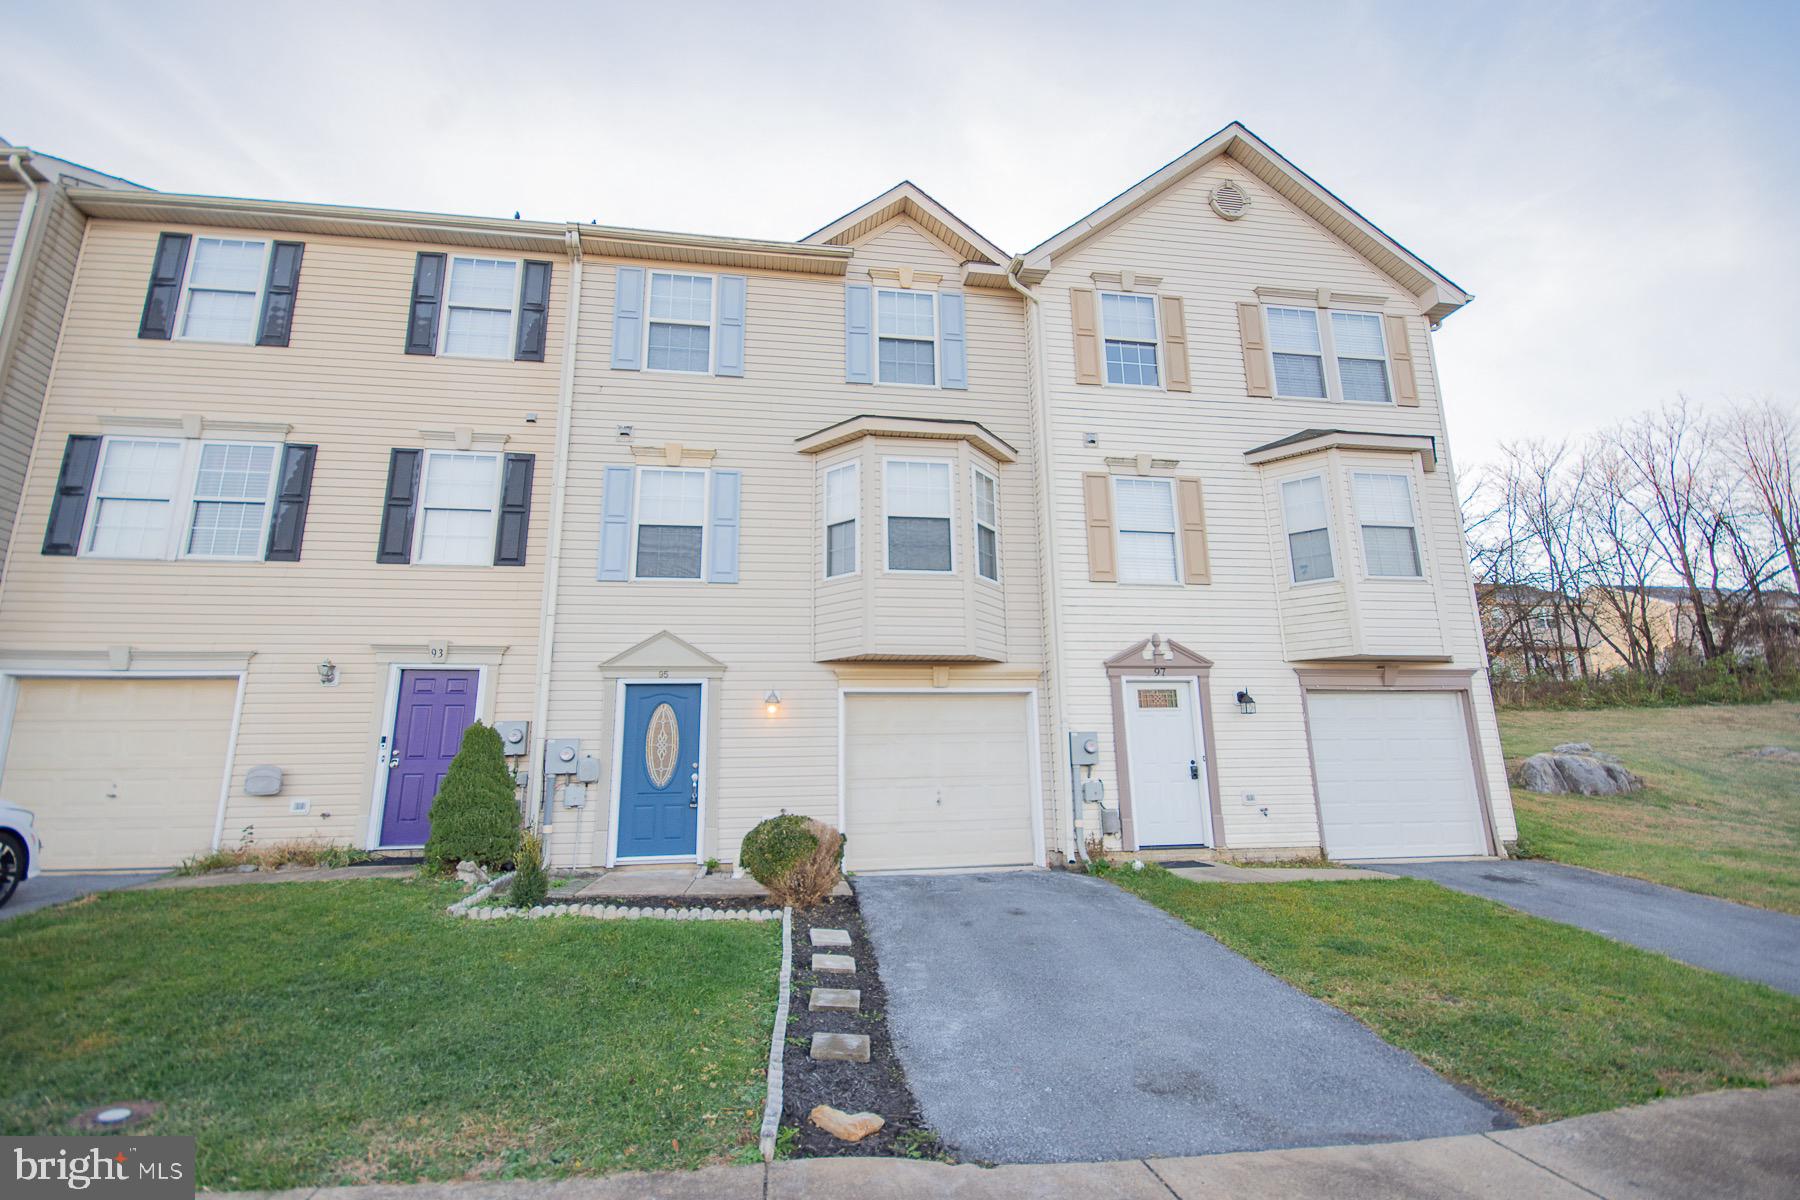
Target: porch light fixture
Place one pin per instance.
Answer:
(1246, 702)
(772, 702)
(328, 673)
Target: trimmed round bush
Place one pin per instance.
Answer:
(475, 817)
(797, 858)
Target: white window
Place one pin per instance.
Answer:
(166, 498)
(669, 533)
(906, 337)
(1147, 541)
(458, 503)
(987, 525)
(918, 515)
(233, 483)
(481, 303)
(1384, 509)
(1308, 528)
(1128, 326)
(679, 334)
(224, 289)
(1299, 355)
(1361, 356)
(843, 501)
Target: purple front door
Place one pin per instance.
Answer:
(435, 707)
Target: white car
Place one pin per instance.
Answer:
(19, 847)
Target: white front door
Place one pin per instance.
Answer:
(1168, 764)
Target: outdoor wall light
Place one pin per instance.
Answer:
(772, 702)
(1246, 702)
(328, 673)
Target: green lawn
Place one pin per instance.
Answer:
(1548, 1020)
(351, 1032)
(1711, 819)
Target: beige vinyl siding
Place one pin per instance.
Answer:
(345, 384)
(12, 200)
(770, 628)
(1239, 620)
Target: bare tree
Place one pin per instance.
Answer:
(1762, 441)
(1670, 451)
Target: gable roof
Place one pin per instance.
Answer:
(1437, 294)
(909, 199)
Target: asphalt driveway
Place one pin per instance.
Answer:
(46, 890)
(1732, 939)
(1050, 1017)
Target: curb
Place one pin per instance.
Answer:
(771, 1122)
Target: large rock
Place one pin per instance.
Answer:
(845, 1127)
(1576, 767)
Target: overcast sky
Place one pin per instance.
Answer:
(1617, 183)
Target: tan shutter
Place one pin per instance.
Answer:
(1103, 559)
(1087, 335)
(1190, 507)
(1257, 378)
(1400, 358)
(1174, 333)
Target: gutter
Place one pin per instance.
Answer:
(1044, 463)
(16, 263)
(565, 407)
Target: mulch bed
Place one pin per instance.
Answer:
(877, 1086)
(720, 902)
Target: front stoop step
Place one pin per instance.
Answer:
(825, 999)
(835, 938)
(841, 1047)
(840, 963)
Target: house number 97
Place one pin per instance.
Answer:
(1159, 670)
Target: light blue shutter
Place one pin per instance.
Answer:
(727, 488)
(730, 334)
(858, 344)
(953, 351)
(615, 525)
(628, 320)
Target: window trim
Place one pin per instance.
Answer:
(976, 524)
(1328, 354)
(512, 318)
(706, 515)
(187, 274)
(1412, 504)
(949, 464)
(1287, 533)
(711, 325)
(1162, 373)
(418, 542)
(937, 342)
(181, 501)
(825, 522)
(1168, 483)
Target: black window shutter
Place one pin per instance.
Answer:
(534, 313)
(399, 507)
(164, 296)
(278, 297)
(68, 508)
(288, 526)
(427, 299)
(515, 511)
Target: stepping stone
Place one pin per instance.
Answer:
(841, 1047)
(834, 962)
(831, 937)
(825, 999)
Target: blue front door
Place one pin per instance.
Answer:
(435, 707)
(659, 772)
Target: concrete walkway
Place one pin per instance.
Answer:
(1047, 1016)
(1227, 873)
(1732, 939)
(45, 890)
(629, 882)
(1724, 1146)
(286, 875)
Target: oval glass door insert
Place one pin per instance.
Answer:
(662, 745)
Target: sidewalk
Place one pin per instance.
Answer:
(1726, 1145)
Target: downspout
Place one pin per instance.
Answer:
(16, 264)
(1044, 461)
(565, 406)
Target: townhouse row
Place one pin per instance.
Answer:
(1146, 537)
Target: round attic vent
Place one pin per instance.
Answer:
(1229, 201)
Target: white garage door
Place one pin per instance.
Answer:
(121, 773)
(1395, 776)
(937, 781)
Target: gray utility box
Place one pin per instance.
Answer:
(515, 737)
(1084, 749)
(562, 756)
(262, 781)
